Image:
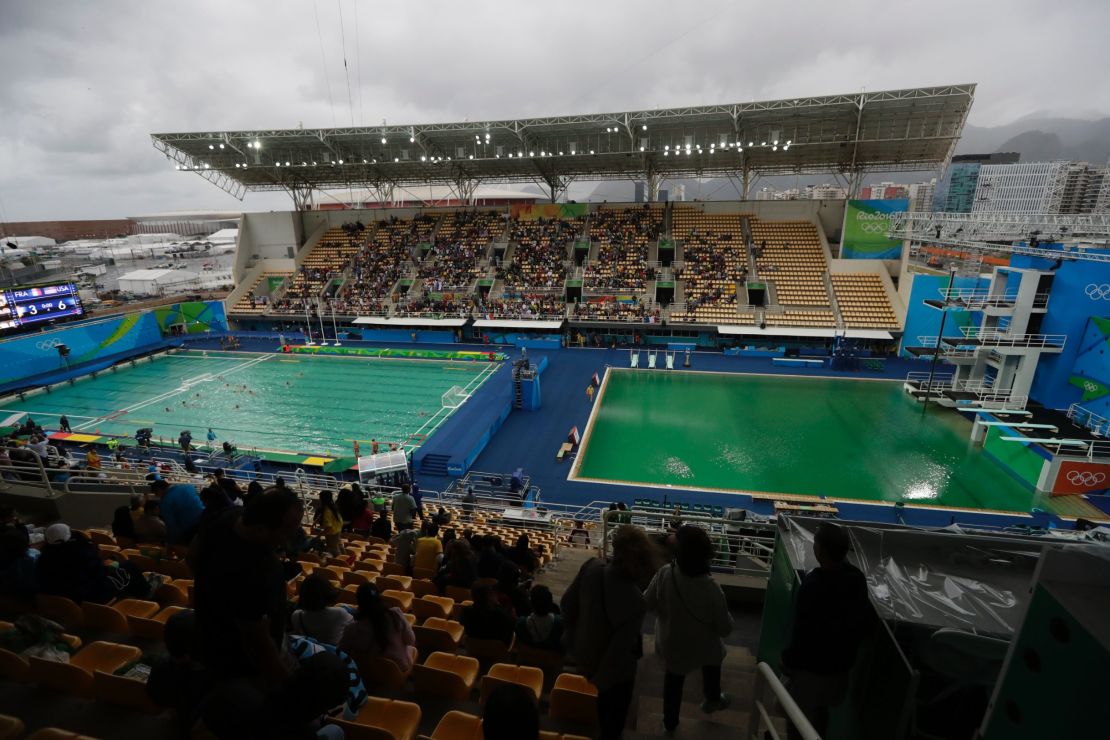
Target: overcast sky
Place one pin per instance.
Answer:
(85, 83)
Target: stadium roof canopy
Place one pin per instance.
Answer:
(850, 134)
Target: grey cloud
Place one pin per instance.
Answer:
(85, 83)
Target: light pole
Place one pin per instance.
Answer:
(334, 328)
(320, 317)
(308, 327)
(940, 338)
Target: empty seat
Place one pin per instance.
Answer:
(154, 626)
(76, 676)
(573, 698)
(505, 673)
(439, 634)
(122, 691)
(400, 599)
(457, 725)
(383, 719)
(64, 611)
(423, 587)
(432, 606)
(446, 674)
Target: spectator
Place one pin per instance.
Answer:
(378, 631)
(469, 501)
(70, 566)
(693, 620)
(543, 628)
(459, 567)
(511, 713)
(239, 587)
(181, 509)
(254, 488)
(63, 423)
(603, 614)
(317, 616)
(442, 518)
(347, 501)
(229, 486)
(215, 502)
(17, 563)
(149, 528)
(92, 460)
(123, 524)
(521, 554)
(832, 614)
(510, 595)
(489, 556)
(485, 619)
(404, 547)
(418, 497)
(363, 519)
(429, 550)
(177, 680)
(382, 528)
(330, 522)
(579, 535)
(404, 507)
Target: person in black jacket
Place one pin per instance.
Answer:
(832, 615)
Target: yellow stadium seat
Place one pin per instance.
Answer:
(505, 673)
(445, 674)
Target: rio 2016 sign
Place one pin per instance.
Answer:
(866, 224)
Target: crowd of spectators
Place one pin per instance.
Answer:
(614, 310)
(539, 260)
(525, 306)
(623, 236)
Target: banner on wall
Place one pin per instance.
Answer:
(866, 223)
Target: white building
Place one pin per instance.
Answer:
(921, 195)
(824, 191)
(1025, 187)
(157, 281)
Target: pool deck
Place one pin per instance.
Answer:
(530, 440)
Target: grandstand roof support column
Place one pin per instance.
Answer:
(302, 197)
(557, 186)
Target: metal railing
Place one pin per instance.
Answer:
(1098, 425)
(740, 547)
(768, 691)
(1005, 339)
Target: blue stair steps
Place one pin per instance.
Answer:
(434, 464)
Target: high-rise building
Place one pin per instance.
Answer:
(1026, 187)
(824, 191)
(921, 195)
(1083, 185)
(766, 193)
(955, 192)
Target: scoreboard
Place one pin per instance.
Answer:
(23, 308)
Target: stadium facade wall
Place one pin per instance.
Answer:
(33, 360)
(1076, 295)
(924, 321)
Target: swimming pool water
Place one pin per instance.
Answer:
(847, 439)
(276, 402)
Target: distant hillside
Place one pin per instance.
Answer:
(1038, 139)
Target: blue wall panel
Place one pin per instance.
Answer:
(924, 321)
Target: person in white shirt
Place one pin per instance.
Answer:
(316, 615)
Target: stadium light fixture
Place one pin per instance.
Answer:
(591, 151)
(211, 147)
(531, 154)
(221, 146)
(341, 161)
(666, 147)
(750, 144)
(666, 154)
(423, 159)
(383, 139)
(412, 139)
(286, 164)
(764, 144)
(641, 149)
(644, 127)
(304, 164)
(472, 156)
(207, 166)
(244, 165)
(776, 142)
(789, 142)
(775, 148)
(396, 160)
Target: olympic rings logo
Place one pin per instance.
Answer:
(1097, 292)
(880, 227)
(1085, 479)
(1089, 386)
(48, 344)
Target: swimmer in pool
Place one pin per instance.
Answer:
(168, 409)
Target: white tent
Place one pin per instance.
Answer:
(156, 281)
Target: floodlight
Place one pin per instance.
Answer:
(591, 151)
(363, 161)
(211, 147)
(286, 164)
(750, 144)
(304, 164)
(423, 159)
(789, 142)
(177, 166)
(244, 165)
(472, 156)
(641, 149)
(666, 147)
(531, 154)
(764, 144)
(776, 142)
(396, 160)
(221, 146)
(560, 154)
(487, 136)
(383, 139)
(412, 139)
(775, 148)
(644, 127)
(666, 154)
(207, 166)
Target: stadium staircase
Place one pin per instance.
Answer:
(434, 465)
(737, 677)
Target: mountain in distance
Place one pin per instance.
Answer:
(1037, 137)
